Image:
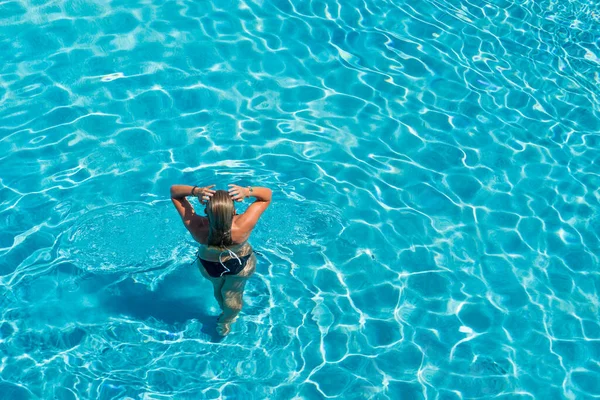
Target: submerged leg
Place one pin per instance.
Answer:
(217, 286)
(232, 291)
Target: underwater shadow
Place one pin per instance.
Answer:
(177, 299)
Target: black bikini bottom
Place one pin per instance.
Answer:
(215, 269)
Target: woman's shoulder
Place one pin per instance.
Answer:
(200, 230)
(239, 234)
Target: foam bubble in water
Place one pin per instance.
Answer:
(112, 77)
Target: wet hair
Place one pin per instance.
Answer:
(220, 211)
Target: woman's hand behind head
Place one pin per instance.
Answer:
(205, 193)
(238, 193)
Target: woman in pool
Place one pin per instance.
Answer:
(225, 257)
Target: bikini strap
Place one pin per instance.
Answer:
(232, 254)
(197, 257)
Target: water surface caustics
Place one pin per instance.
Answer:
(434, 231)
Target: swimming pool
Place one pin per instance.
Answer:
(434, 231)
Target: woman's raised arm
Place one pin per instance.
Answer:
(263, 199)
(183, 206)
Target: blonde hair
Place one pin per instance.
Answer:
(220, 211)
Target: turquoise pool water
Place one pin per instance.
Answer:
(436, 173)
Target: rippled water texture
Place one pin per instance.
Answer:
(436, 173)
